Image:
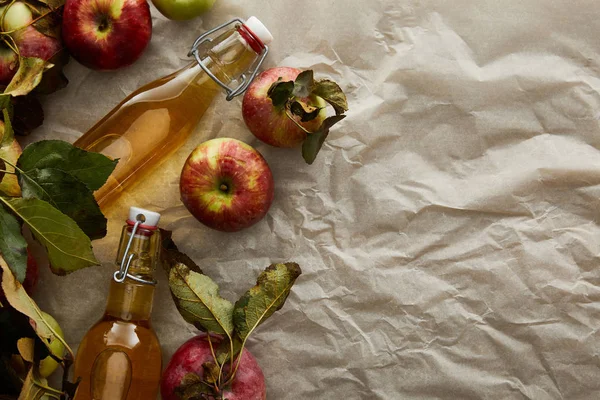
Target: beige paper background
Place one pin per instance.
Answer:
(448, 231)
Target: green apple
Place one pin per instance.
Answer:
(183, 9)
(48, 365)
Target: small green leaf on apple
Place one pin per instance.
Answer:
(280, 93)
(299, 98)
(304, 83)
(332, 94)
(192, 387)
(314, 141)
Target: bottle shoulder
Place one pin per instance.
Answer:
(116, 332)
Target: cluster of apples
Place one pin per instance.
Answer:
(225, 183)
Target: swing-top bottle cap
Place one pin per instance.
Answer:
(150, 219)
(259, 30)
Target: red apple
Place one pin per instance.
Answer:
(271, 124)
(248, 384)
(107, 34)
(30, 42)
(226, 184)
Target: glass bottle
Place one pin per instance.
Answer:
(156, 119)
(120, 358)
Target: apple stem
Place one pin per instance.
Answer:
(223, 187)
(7, 172)
(11, 43)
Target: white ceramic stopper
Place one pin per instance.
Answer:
(259, 29)
(152, 217)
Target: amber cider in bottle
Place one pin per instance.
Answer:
(120, 357)
(156, 119)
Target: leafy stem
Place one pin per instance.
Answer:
(47, 389)
(4, 11)
(303, 99)
(10, 42)
(12, 165)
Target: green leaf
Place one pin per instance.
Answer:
(69, 249)
(304, 111)
(93, 169)
(331, 93)
(197, 299)
(19, 299)
(192, 387)
(68, 194)
(261, 301)
(303, 85)
(314, 141)
(28, 76)
(13, 246)
(280, 92)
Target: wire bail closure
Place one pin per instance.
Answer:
(120, 275)
(244, 81)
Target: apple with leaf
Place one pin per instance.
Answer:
(215, 365)
(286, 107)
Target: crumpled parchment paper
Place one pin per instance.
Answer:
(448, 231)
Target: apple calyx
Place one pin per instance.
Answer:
(294, 98)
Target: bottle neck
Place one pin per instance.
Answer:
(229, 57)
(130, 300)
